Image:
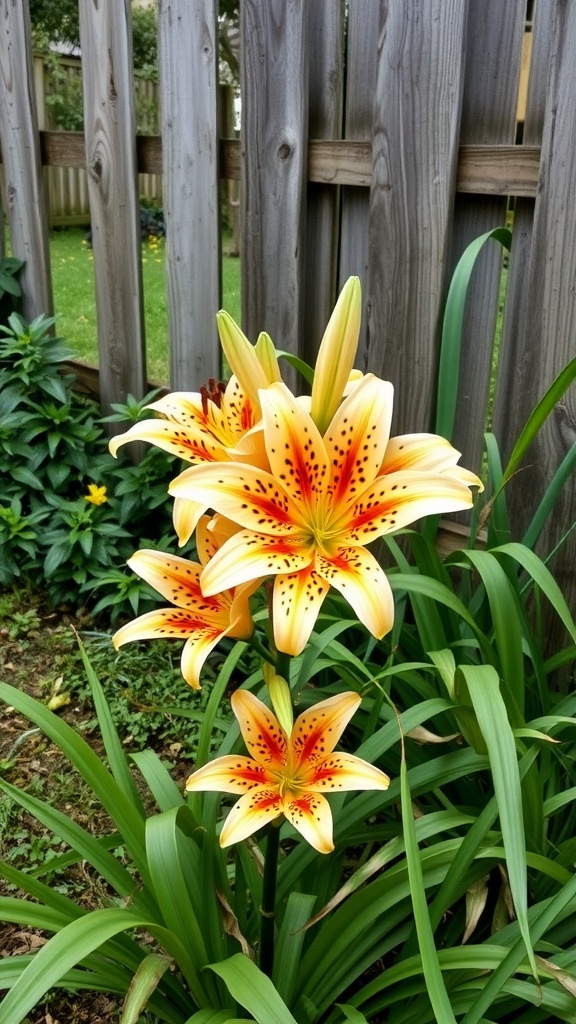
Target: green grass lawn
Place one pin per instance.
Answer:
(74, 299)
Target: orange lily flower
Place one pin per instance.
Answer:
(287, 774)
(201, 621)
(216, 424)
(307, 520)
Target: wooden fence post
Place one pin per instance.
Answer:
(274, 152)
(26, 207)
(189, 88)
(110, 135)
(415, 155)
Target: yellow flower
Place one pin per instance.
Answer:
(307, 520)
(96, 495)
(201, 621)
(287, 774)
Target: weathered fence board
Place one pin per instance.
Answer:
(362, 70)
(26, 207)
(326, 75)
(189, 82)
(274, 146)
(112, 181)
(550, 305)
(415, 150)
(489, 103)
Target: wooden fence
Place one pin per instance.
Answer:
(378, 138)
(66, 188)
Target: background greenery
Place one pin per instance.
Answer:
(73, 282)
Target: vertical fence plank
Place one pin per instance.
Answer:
(188, 56)
(274, 150)
(326, 78)
(549, 320)
(510, 412)
(493, 56)
(26, 207)
(415, 153)
(361, 77)
(109, 122)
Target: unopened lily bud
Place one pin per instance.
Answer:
(241, 357)
(280, 697)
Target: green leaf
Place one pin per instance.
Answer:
(174, 862)
(352, 1014)
(71, 946)
(449, 367)
(484, 689)
(159, 781)
(143, 984)
(543, 578)
(540, 414)
(113, 746)
(253, 990)
(122, 811)
(289, 943)
(434, 981)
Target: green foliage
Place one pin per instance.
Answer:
(70, 514)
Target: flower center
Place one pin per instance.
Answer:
(212, 392)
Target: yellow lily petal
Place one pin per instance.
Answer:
(178, 624)
(419, 452)
(398, 499)
(317, 730)
(248, 496)
(250, 813)
(356, 438)
(341, 772)
(249, 555)
(297, 599)
(172, 439)
(297, 455)
(232, 773)
(310, 814)
(185, 516)
(261, 730)
(241, 357)
(336, 354)
(362, 581)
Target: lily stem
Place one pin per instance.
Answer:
(283, 665)
(258, 646)
(268, 907)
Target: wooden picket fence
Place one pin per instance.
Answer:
(378, 139)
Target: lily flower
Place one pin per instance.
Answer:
(287, 774)
(216, 424)
(201, 621)
(307, 520)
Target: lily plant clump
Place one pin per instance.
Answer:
(295, 489)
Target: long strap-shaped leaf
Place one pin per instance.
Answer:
(122, 811)
(452, 329)
(484, 689)
(73, 944)
(430, 966)
(253, 990)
